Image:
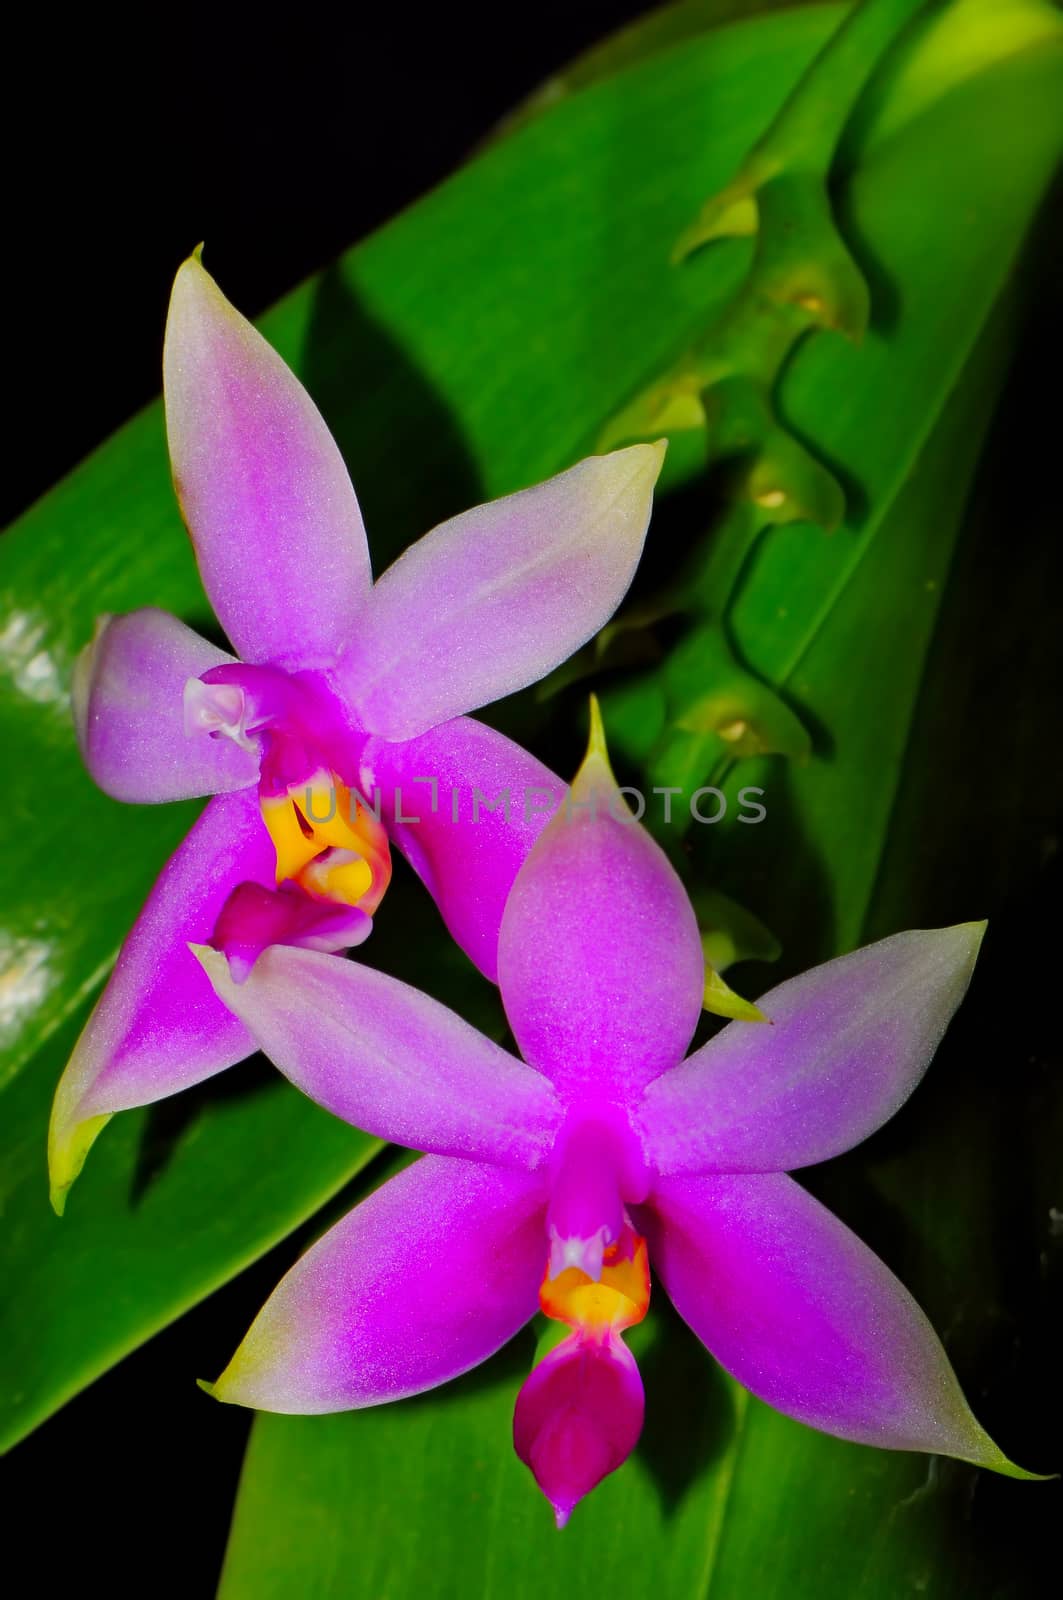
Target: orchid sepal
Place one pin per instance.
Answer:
(539, 572)
(805, 1316)
(849, 1042)
(577, 981)
(261, 484)
(344, 1328)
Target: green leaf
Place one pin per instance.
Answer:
(833, 394)
(730, 932)
(708, 693)
(452, 1508)
(164, 1219)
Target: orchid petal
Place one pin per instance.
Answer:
(128, 696)
(465, 805)
(578, 1417)
(600, 961)
(849, 1041)
(269, 505)
(806, 1316)
(389, 1059)
(158, 1026)
(496, 598)
(425, 1279)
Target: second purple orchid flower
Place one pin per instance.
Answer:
(344, 689)
(554, 1181)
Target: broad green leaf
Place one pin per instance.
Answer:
(161, 1223)
(834, 394)
(658, 30)
(952, 42)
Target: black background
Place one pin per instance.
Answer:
(279, 145)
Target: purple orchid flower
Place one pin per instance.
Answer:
(347, 692)
(553, 1181)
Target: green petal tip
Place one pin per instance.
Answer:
(722, 1001)
(596, 745)
(1008, 1469)
(66, 1157)
(595, 764)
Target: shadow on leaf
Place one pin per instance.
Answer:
(410, 465)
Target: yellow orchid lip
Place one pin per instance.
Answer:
(329, 842)
(619, 1299)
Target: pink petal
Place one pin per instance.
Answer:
(599, 959)
(388, 1059)
(491, 802)
(849, 1041)
(158, 1026)
(262, 485)
(496, 598)
(802, 1313)
(425, 1279)
(129, 686)
(578, 1417)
